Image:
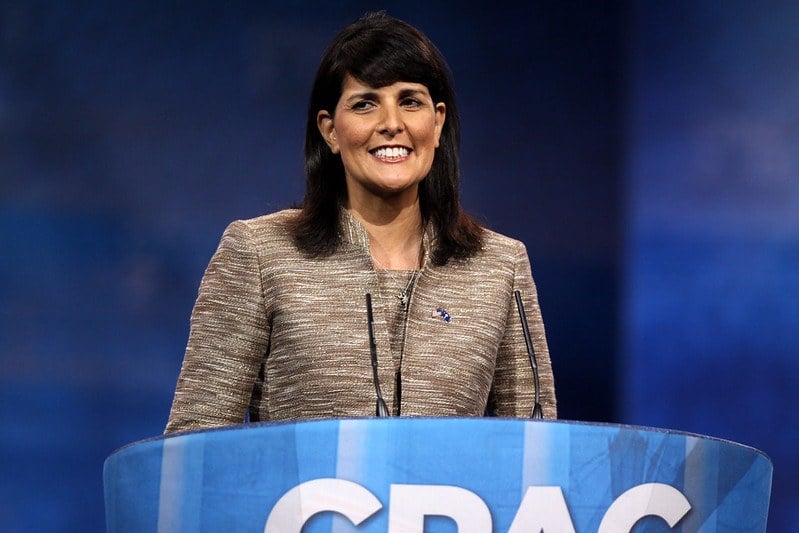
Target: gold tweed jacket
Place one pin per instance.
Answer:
(282, 336)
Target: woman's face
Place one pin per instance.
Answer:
(387, 136)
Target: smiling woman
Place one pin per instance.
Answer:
(380, 285)
(386, 136)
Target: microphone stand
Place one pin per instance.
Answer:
(381, 409)
(537, 411)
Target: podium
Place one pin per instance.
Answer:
(477, 475)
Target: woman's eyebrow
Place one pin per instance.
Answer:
(412, 92)
(373, 95)
(369, 95)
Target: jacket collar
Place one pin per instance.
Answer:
(355, 234)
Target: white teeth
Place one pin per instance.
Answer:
(391, 153)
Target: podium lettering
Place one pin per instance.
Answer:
(409, 504)
(542, 509)
(299, 504)
(649, 499)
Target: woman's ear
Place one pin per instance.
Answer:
(441, 116)
(324, 121)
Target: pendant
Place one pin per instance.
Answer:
(403, 298)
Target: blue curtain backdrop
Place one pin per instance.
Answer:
(711, 261)
(647, 156)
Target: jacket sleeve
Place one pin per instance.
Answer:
(228, 339)
(512, 392)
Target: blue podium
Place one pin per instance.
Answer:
(414, 475)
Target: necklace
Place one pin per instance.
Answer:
(404, 294)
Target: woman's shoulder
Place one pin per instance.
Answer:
(264, 226)
(268, 231)
(497, 243)
(497, 253)
(271, 221)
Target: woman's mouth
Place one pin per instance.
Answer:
(391, 153)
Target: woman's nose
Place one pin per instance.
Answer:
(390, 121)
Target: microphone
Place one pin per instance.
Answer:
(381, 408)
(537, 411)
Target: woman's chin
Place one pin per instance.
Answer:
(390, 189)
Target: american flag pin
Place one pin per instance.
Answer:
(441, 312)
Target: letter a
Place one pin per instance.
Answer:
(542, 509)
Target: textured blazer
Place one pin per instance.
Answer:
(279, 335)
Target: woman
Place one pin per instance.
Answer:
(279, 330)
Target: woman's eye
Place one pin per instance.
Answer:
(362, 105)
(411, 102)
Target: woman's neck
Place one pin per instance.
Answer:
(395, 234)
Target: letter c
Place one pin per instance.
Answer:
(299, 504)
(649, 499)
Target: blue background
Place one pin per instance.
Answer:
(647, 154)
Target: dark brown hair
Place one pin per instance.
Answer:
(380, 50)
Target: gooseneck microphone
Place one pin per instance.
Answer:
(382, 408)
(537, 411)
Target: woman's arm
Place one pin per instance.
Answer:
(512, 392)
(228, 339)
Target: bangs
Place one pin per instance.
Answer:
(385, 54)
(384, 62)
